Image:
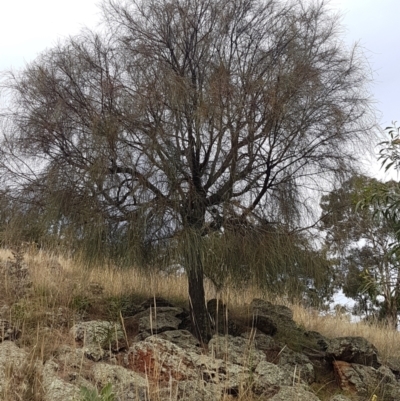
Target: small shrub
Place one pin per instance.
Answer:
(106, 394)
(81, 303)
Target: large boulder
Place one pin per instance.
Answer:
(354, 350)
(279, 315)
(246, 319)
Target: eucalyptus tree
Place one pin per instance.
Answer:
(191, 116)
(360, 239)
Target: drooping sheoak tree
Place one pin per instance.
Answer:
(190, 114)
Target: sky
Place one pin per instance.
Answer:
(28, 27)
(373, 24)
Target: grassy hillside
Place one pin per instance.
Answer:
(60, 291)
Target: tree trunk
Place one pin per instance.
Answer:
(200, 319)
(198, 310)
(391, 313)
(395, 300)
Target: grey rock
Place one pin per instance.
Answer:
(261, 303)
(319, 339)
(366, 379)
(354, 350)
(69, 357)
(170, 364)
(98, 336)
(164, 361)
(217, 371)
(339, 397)
(64, 379)
(56, 389)
(157, 320)
(390, 392)
(219, 315)
(264, 323)
(195, 390)
(160, 359)
(126, 384)
(182, 338)
(266, 306)
(15, 360)
(261, 341)
(269, 376)
(386, 375)
(237, 350)
(245, 320)
(279, 317)
(294, 394)
(298, 365)
(393, 363)
(66, 367)
(355, 378)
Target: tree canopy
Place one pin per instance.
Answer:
(360, 240)
(187, 118)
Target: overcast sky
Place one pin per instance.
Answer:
(27, 27)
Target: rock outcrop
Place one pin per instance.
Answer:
(152, 357)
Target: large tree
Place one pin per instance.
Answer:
(190, 116)
(360, 240)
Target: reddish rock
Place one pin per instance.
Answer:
(160, 360)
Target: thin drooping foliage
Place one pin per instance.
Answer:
(184, 118)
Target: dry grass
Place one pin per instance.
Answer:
(385, 339)
(58, 281)
(63, 288)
